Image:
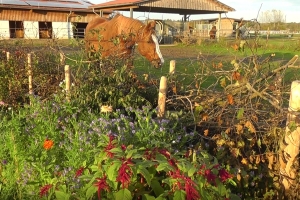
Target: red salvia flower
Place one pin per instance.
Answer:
(79, 172)
(224, 175)
(165, 153)
(190, 189)
(150, 154)
(123, 146)
(110, 146)
(210, 177)
(185, 183)
(101, 185)
(44, 190)
(125, 173)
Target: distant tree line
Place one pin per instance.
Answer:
(276, 20)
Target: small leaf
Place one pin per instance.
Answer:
(244, 161)
(234, 197)
(238, 177)
(164, 166)
(230, 99)
(192, 171)
(113, 170)
(179, 195)
(61, 195)
(292, 126)
(240, 113)
(123, 194)
(259, 143)
(148, 197)
(205, 117)
(205, 132)
(155, 185)
(221, 189)
(236, 76)
(250, 127)
(223, 82)
(239, 128)
(145, 173)
(90, 192)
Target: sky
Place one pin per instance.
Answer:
(246, 9)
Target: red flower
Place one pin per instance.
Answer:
(79, 172)
(210, 177)
(48, 144)
(149, 155)
(224, 175)
(190, 189)
(125, 173)
(123, 147)
(165, 153)
(189, 185)
(101, 185)
(110, 146)
(44, 190)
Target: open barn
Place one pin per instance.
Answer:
(38, 19)
(168, 30)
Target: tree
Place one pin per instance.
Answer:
(275, 17)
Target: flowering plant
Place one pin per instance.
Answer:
(124, 172)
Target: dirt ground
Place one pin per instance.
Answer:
(172, 52)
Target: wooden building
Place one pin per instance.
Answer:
(227, 26)
(34, 19)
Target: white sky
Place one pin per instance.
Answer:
(247, 9)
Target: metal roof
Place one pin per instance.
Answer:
(47, 4)
(183, 7)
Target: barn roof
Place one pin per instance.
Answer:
(47, 4)
(182, 7)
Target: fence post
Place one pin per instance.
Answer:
(62, 58)
(29, 74)
(68, 81)
(7, 56)
(289, 148)
(162, 96)
(172, 67)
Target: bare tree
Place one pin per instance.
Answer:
(274, 17)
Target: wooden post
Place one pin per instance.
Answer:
(68, 81)
(7, 56)
(172, 67)
(289, 148)
(62, 58)
(29, 74)
(162, 96)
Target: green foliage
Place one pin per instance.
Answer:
(87, 147)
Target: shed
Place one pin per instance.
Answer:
(228, 26)
(34, 19)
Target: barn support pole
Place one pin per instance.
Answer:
(289, 148)
(68, 25)
(219, 27)
(131, 13)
